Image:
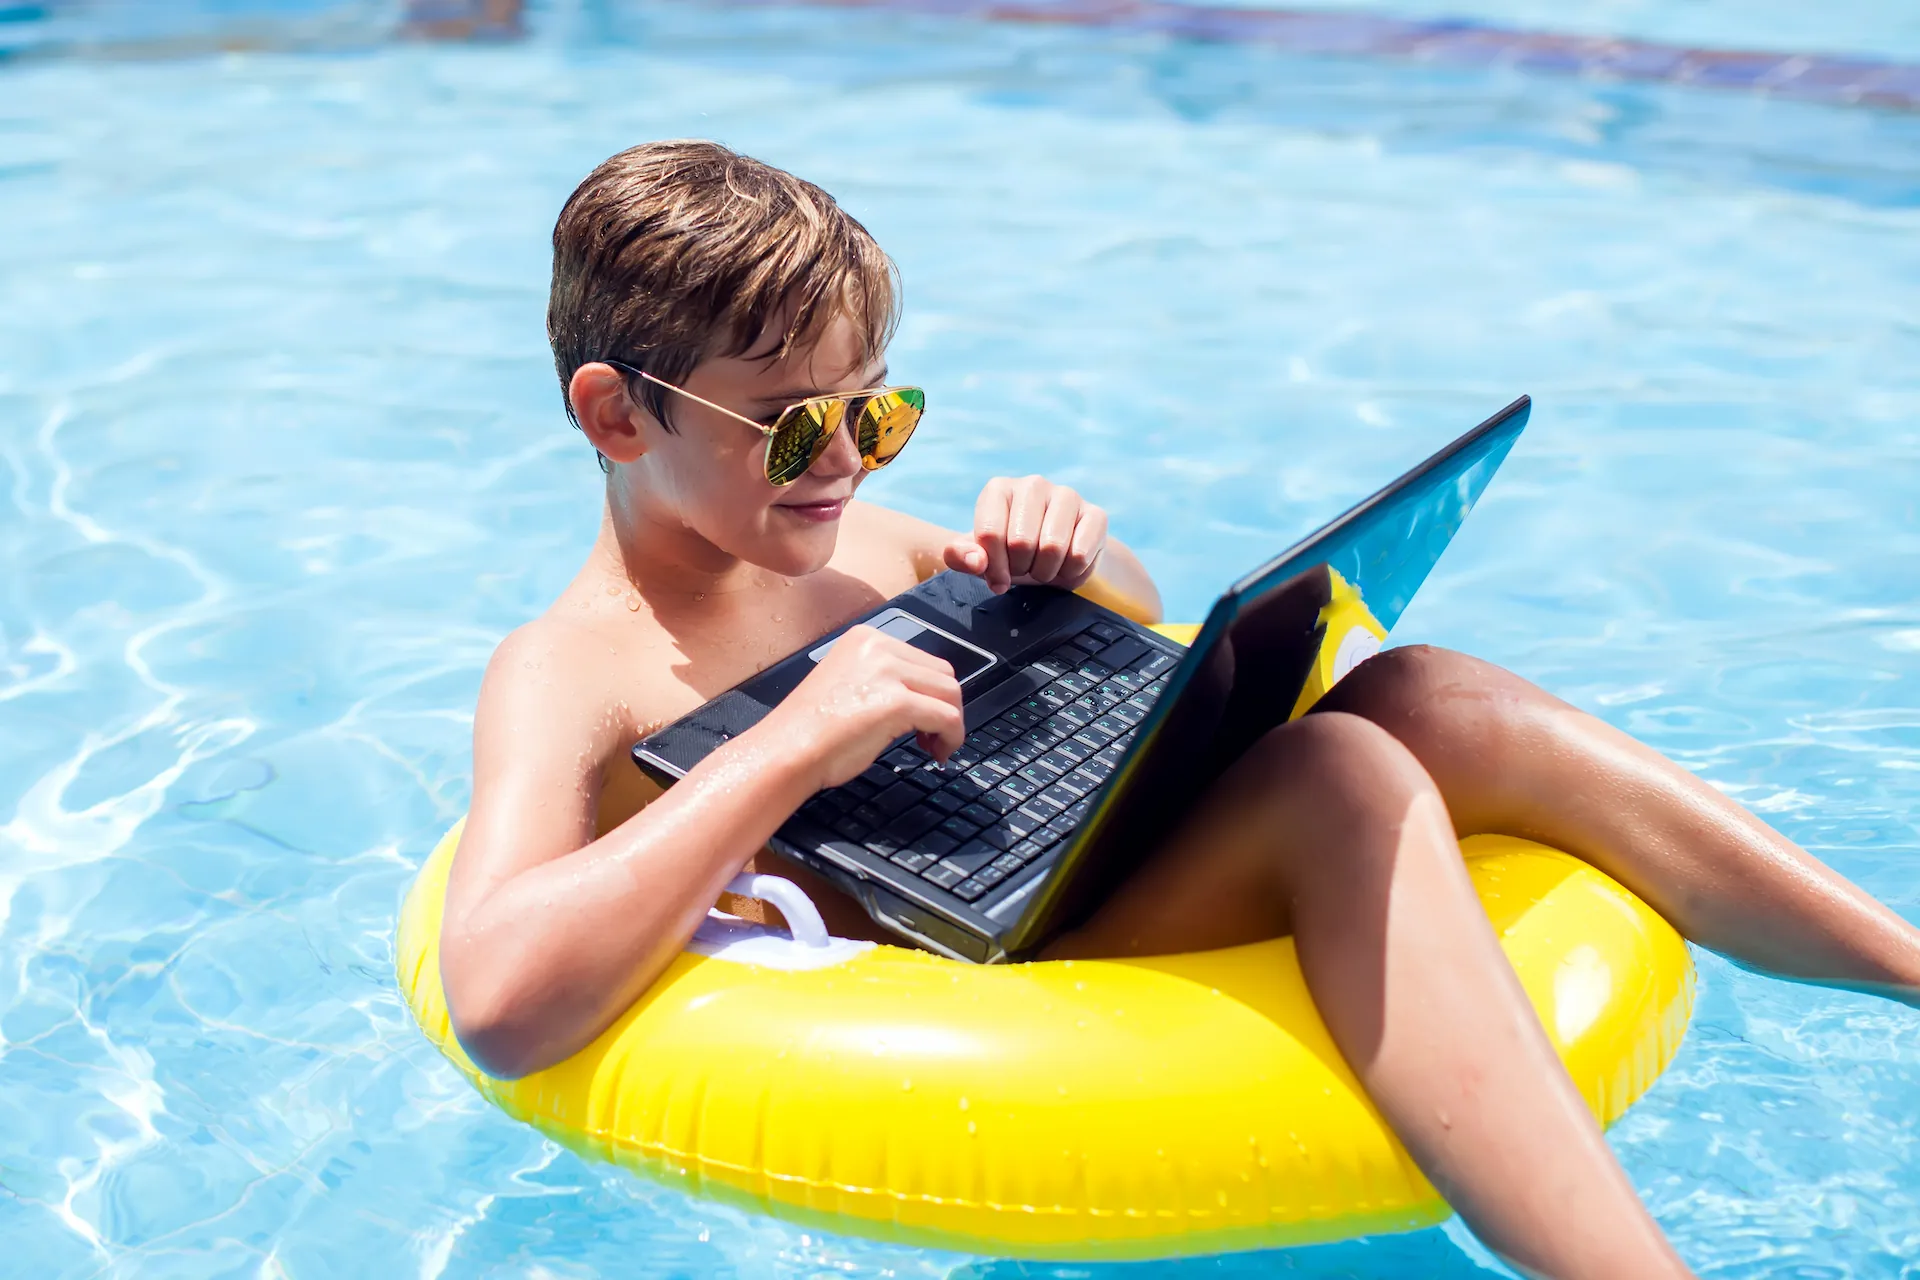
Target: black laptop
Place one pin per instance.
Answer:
(1088, 735)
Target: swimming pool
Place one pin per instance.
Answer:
(283, 459)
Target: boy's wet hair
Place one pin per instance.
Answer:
(675, 252)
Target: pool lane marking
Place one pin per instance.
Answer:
(1823, 78)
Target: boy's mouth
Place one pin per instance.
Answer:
(816, 512)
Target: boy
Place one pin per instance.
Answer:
(697, 295)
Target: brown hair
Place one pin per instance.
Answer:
(673, 252)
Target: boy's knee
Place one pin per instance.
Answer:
(1430, 697)
(1340, 760)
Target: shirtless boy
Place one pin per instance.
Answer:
(690, 285)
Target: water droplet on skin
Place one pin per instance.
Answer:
(699, 595)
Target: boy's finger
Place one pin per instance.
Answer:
(943, 728)
(1056, 535)
(990, 531)
(1089, 540)
(1026, 510)
(965, 555)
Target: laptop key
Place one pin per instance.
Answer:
(1057, 695)
(1128, 714)
(1001, 837)
(914, 823)
(1019, 825)
(913, 860)
(904, 759)
(1109, 759)
(1024, 749)
(1106, 631)
(989, 876)
(1040, 773)
(1072, 749)
(986, 776)
(1110, 726)
(1008, 863)
(964, 786)
(1123, 652)
(1018, 788)
(899, 796)
(1087, 641)
(824, 807)
(1049, 804)
(943, 874)
(945, 801)
(1156, 663)
(968, 890)
(884, 845)
(1000, 801)
(1073, 784)
(980, 815)
(1075, 714)
(961, 829)
(938, 844)
(1073, 684)
(1093, 738)
(1060, 796)
(866, 813)
(970, 857)
(1027, 850)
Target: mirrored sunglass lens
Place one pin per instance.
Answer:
(887, 423)
(799, 438)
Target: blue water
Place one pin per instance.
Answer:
(282, 459)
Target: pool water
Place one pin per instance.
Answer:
(283, 459)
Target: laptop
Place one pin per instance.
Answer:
(1089, 735)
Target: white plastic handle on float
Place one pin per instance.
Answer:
(802, 917)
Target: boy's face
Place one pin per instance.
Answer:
(710, 471)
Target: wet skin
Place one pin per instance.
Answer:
(577, 881)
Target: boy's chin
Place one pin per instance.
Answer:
(800, 553)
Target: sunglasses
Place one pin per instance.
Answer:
(883, 421)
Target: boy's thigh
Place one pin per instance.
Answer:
(1212, 884)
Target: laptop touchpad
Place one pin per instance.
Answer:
(968, 660)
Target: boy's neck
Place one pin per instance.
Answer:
(667, 562)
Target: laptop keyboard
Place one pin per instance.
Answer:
(1022, 782)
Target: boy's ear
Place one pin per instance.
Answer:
(608, 415)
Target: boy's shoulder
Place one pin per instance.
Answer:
(599, 657)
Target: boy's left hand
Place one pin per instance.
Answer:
(1030, 532)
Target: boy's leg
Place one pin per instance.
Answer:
(1510, 758)
(1330, 830)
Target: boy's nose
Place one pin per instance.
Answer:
(842, 456)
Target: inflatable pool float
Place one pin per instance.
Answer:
(1061, 1110)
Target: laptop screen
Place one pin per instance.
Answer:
(1385, 547)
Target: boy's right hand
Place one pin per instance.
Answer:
(867, 691)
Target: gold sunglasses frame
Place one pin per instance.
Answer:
(826, 437)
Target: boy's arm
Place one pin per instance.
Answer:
(549, 934)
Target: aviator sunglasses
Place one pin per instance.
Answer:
(883, 422)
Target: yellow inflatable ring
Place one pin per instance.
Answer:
(1060, 1110)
